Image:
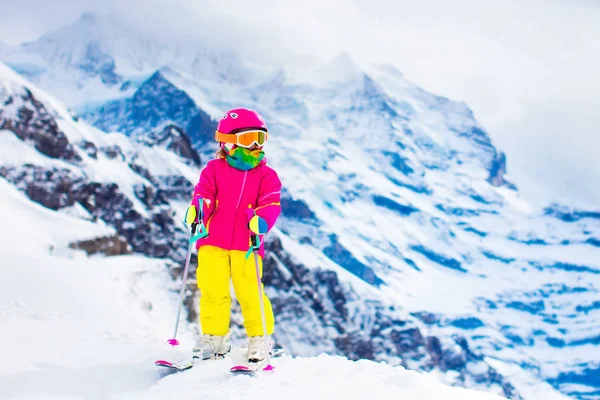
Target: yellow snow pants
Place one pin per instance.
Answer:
(216, 267)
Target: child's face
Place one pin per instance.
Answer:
(251, 148)
(254, 147)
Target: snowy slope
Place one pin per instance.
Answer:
(79, 327)
(96, 329)
(323, 377)
(75, 326)
(404, 197)
(57, 306)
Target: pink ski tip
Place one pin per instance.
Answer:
(173, 342)
(269, 368)
(163, 363)
(240, 368)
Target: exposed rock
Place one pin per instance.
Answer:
(388, 336)
(33, 123)
(569, 214)
(113, 152)
(155, 234)
(89, 148)
(150, 196)
(498, 170)
(175, 187)
(342, 256)
(156, 102)
(108, 245)
(98, 63)
(296, 209)
(173, 137)
(142, 171)
(52, 188)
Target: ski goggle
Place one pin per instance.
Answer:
(243, 139)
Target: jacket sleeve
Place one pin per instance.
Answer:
(206, 189)
(269, 198)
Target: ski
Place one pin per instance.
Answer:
(247, 369)
(176, 366)
(252, 368)
(182, 366)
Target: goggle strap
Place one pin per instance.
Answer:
(225, 138)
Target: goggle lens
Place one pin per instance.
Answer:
(243, 139)
(247, 139)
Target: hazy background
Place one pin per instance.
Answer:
(529, 69)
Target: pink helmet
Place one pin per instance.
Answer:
(240, 119)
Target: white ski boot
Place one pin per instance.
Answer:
(257, 349)
(209, 347)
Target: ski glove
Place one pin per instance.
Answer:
(258, 225)
(194, 213)
(191, 215)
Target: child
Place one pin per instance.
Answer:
(240, 196)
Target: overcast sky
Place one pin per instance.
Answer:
(528, 68)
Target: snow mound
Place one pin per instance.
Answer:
(322, 377)
(82, 327)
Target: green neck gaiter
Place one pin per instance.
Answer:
(244, 159)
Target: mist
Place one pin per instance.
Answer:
(527, 69)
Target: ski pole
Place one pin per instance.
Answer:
(174, 341)
(256, 245)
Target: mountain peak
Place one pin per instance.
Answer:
(90, 27)
(116, 50)
(341, 68)
(94, 20)
(89, 17)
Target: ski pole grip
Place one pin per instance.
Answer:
(194, 226)
(255, 242)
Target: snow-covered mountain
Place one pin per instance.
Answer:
(65, 164)
(141, 113)
(402, 238)
(137, 187)
(100, 57)
(91, 327)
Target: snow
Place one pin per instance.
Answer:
(322, 377)
(73, 325)
(77, 327)
(34, 229)
(329, 134)
(13, 83)
(342, 68)
(13, 152)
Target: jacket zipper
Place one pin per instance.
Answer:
(241, 191)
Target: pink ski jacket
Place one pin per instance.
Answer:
(233, 196)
